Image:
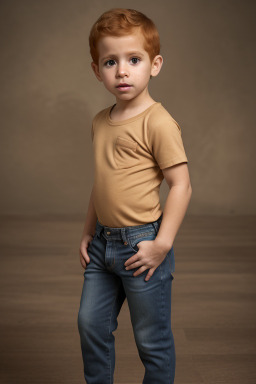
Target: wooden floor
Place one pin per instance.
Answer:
(213, 303)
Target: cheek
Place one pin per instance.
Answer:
(142, 78)
(143, 73)
(105, 75)
(107, 80)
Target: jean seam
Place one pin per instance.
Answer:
(168, 257)
(162, 300)
(111, 267)
(113, 264)
(114, 301)
(168, 361)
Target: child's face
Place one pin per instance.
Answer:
(124, 60)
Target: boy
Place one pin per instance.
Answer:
(127, 241)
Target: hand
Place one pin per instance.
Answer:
(150, 255)
(84, 257)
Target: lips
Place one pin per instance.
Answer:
(121, 85)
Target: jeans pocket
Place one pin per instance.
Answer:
(134, 240)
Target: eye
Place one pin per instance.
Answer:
(109, 63)
(135, 60)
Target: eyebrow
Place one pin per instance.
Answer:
(128, 53)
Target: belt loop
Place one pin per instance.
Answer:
(123, 234)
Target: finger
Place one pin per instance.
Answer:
(131, 260)
(150, 273)
(137, 264)
(84, 258)
(82, 261)
(139, 271)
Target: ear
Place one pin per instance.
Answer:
(156, 65)
(95, 69)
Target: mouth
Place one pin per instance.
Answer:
(124, 87)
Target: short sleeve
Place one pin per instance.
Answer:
(165, 141)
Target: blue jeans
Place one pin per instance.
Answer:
(106, 285)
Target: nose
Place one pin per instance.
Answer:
(122, 70)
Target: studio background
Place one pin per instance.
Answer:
(49, 96)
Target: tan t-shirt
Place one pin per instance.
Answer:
(128, 158)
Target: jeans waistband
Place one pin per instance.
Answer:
(114, 233)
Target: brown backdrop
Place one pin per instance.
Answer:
(49, 96)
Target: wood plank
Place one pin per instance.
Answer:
(213, 302)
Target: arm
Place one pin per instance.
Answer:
(88, 232)
(177, 177)
(152, 252)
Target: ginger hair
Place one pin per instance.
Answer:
(120, 22)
